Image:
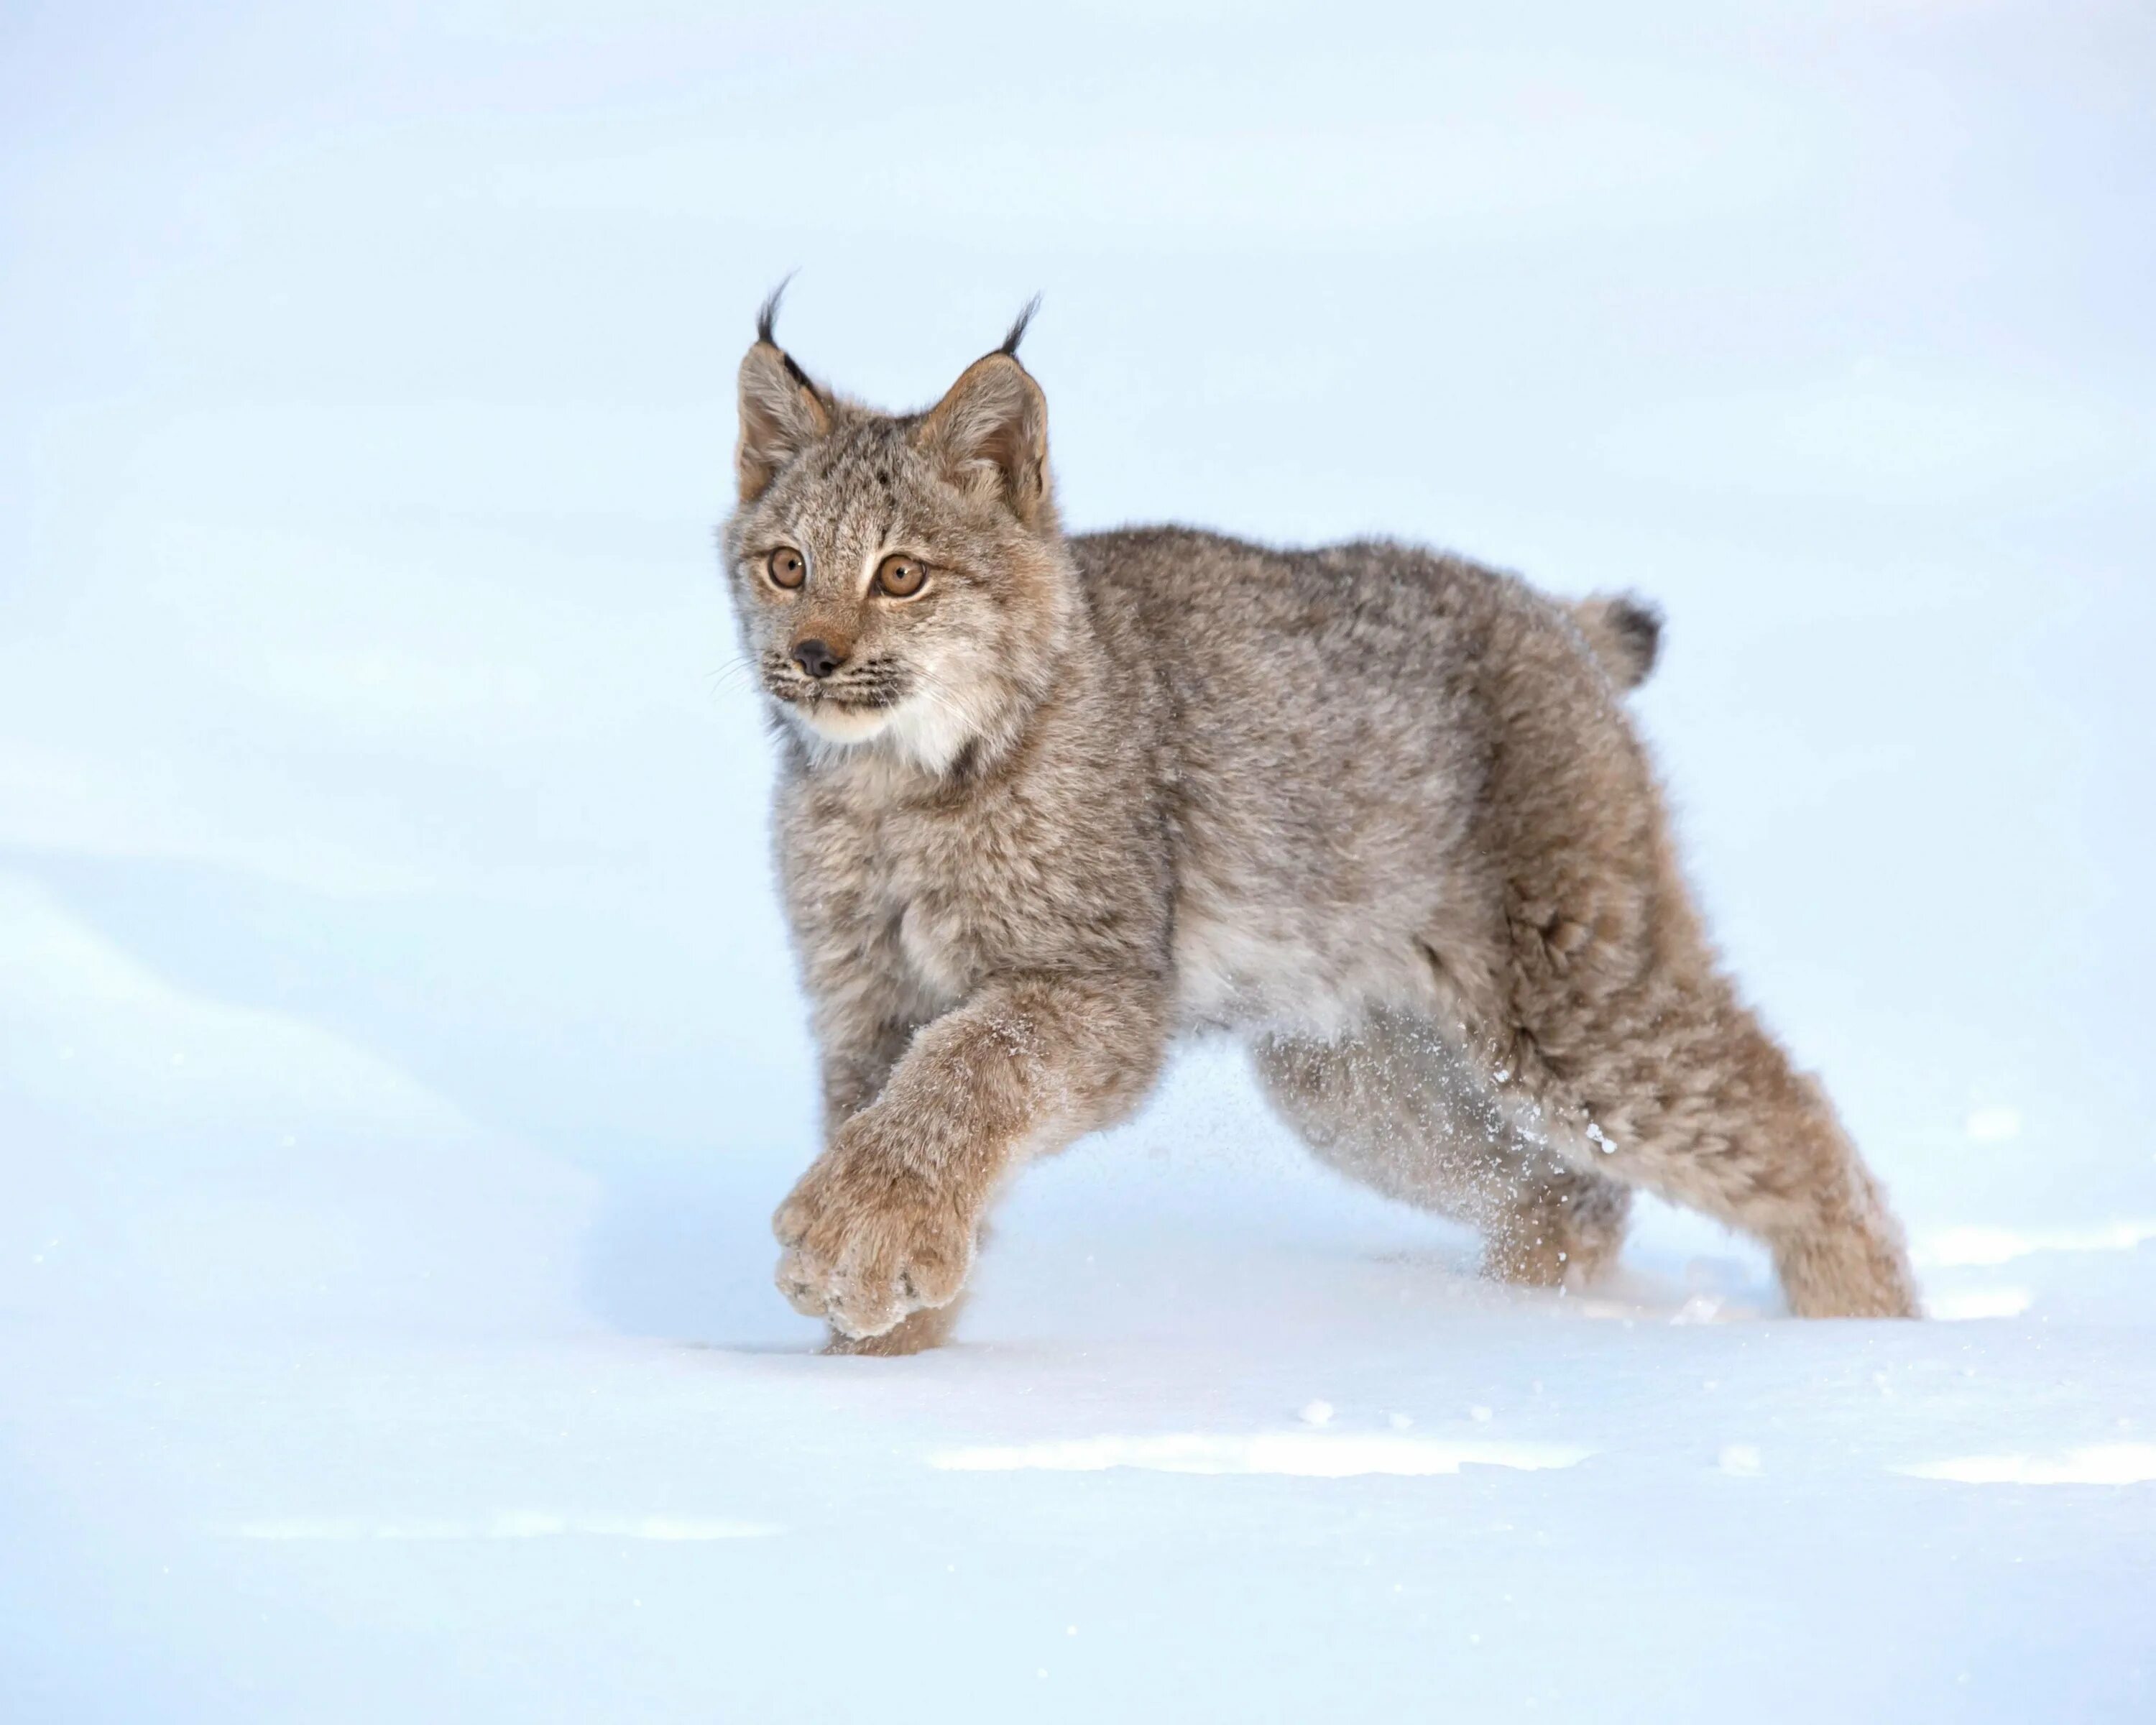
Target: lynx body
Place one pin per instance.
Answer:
(1046, 803)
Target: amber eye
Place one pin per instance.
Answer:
(900, 576)
(785, 567)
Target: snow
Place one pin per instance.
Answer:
(399, 1052)
(2097, 1465)
(1283, 1452)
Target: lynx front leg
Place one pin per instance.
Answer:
(884, 1223)
(857, 1060)
(864, 1018)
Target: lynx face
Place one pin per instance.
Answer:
(899, 579)
(876, 598)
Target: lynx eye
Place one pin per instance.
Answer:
(900, 576)
(786, 567)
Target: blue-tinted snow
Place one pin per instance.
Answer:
(398, 1050)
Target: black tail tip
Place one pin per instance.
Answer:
(1625, 632)
(1638, 625)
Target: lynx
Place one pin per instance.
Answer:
(1046, 803)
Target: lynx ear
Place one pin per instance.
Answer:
(990, 434)
(782, 411)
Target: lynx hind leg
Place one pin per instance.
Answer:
(1394, 1107)
(1593, 986)
(1670, 1084)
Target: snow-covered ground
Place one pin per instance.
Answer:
(399, 1056)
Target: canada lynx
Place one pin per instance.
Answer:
(1046, 803)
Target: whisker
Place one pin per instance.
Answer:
(730, 675)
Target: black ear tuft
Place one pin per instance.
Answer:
(767, 314)
(766, 320)
(1018, 330)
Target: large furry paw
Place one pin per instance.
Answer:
(1854, 1272)
(869, 1240)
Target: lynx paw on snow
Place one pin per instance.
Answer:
(869, 1241)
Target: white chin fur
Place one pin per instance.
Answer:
(926, 732)
(834, 724)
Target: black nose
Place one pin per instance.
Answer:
(815, 657)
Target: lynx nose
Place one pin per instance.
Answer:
(815, 657)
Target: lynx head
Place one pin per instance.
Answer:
(900, 579)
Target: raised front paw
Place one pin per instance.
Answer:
(869, 1240)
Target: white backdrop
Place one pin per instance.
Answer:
(392, 992)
